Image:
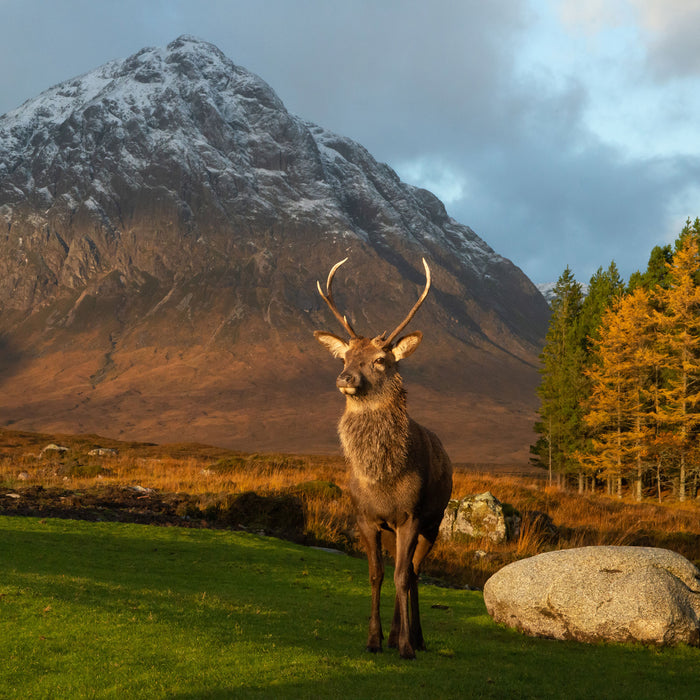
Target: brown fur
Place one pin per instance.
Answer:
(400, 476)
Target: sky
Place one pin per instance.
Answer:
(565, 133)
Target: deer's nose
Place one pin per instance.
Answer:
(349, 383)
(347, 380)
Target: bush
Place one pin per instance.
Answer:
(279, 514)
(83, 471)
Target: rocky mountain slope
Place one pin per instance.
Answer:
(163, 221)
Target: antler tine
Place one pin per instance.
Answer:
(328, 298)
(415, 308)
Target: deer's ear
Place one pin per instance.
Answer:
(335, 345)
(406, 345)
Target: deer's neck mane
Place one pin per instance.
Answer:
(374, 433)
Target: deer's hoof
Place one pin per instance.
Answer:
(374, 648)
(406, 652)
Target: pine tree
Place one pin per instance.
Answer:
(604, 289)
(656, 274)
(560, 389)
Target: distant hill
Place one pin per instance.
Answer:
(165, 221)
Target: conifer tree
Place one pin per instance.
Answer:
(652, 359)
(560, 389)
(617, 408)
(604, 289)
(657, 270)
(679, 323)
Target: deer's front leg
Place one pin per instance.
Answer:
(371, 538)
(405, 579)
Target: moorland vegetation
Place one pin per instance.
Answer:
(303, 498)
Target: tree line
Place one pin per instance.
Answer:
(620, 387)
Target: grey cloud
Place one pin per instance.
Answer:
(580, 211)
(669, 36)
(674, 55)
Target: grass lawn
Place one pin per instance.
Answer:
(131, 611)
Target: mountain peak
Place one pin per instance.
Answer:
(167, 205)
(195, 42)
(188, 44)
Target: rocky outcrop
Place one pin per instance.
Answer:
(103, 452)
(479, 516)
(592, 594)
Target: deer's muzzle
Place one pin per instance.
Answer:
(348, 383)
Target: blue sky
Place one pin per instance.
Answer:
(563, 132)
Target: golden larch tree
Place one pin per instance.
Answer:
(678, 320)
(616, 411)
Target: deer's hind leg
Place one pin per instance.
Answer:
(422, 548)
(405, 580)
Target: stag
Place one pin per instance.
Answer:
(400, 477)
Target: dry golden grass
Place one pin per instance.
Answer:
(205, 471)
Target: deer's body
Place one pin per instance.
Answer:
(396, 465)
(400, 475)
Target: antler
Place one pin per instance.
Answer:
(329, 299)
(415, 308)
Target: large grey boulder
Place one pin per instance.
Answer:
(478, 516)
(590, 594)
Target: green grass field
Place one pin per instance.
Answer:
(98, 610)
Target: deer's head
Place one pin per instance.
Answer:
(369, 364)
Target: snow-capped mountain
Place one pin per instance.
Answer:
(166, 217)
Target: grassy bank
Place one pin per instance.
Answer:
(118, 610)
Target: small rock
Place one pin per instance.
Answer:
(53, 447)
(23, 476)
(103, 452)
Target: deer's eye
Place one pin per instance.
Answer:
(380, 362)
